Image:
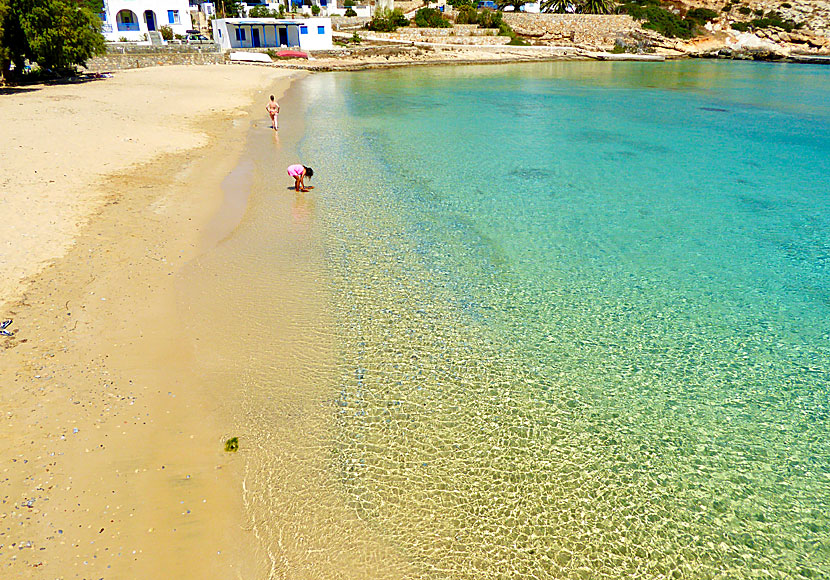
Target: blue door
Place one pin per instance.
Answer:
(150, 17)
(255, 37)
(283, 37)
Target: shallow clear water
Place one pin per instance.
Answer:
(582, 316)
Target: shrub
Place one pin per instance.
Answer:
(355, 39)
(490, 19)
(315, 10)
(771, 18)
(430, 18)
(350, 12)
(745, 10)
(123, 39)
(659, 19)
(701, 15)
(263, 12)
(166, 32)
(516, 41)
(467, 15)
(786, 5)
(387, 20)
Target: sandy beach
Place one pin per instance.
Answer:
(111, 450)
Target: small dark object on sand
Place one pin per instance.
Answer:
(232, 444)
(3, 326)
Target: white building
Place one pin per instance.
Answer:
(303, 33)
(132, 19)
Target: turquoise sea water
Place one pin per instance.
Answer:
(582, 314)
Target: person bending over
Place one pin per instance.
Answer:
(299, 173)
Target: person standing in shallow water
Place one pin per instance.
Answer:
(273, 109)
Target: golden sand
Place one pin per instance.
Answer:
(111, 455)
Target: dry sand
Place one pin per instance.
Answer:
(111, 460)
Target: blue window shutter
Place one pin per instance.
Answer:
(321, 30)
(170, 18)
(303, 29)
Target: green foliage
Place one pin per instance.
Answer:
(387, 20)
(490, 19)
(758, 12)
(581, 6)
(228, 9)
(350, 12)
(315, 10)
(771, 18)
(58, 35)
(232, 445)
(516, 4)
(261, 11)
(556, 6)
(745, 10)
(659, 19)
(355, 39)
(457, 4)
(786, 5)
(701, 15)
(166, 32)
(516, 41)
(466, 15)
(596, 6)
(430, 18)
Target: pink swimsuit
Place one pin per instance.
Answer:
(296, 170)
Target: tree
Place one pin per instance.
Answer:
(557, 6)
(227, 9)
(516, 4)
(596, 6)
(55, 34)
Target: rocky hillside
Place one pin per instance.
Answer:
(814, 14)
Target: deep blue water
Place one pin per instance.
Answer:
(583, 311)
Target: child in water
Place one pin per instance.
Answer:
(273, 109)
(300, 172)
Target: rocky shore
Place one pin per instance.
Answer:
(555, 36)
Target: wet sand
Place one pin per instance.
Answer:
(111, 453)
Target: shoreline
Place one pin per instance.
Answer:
(112, 459)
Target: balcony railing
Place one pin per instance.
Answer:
(106, 28)
(127, 26)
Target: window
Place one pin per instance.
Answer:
(219, 30)
(173, 17)
(240, 34)
(303, 29)
(321, 30)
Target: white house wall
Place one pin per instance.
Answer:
(162, 11)
(224, 32)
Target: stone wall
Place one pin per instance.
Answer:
(348, 23)
(122, 56)
(590, 30)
